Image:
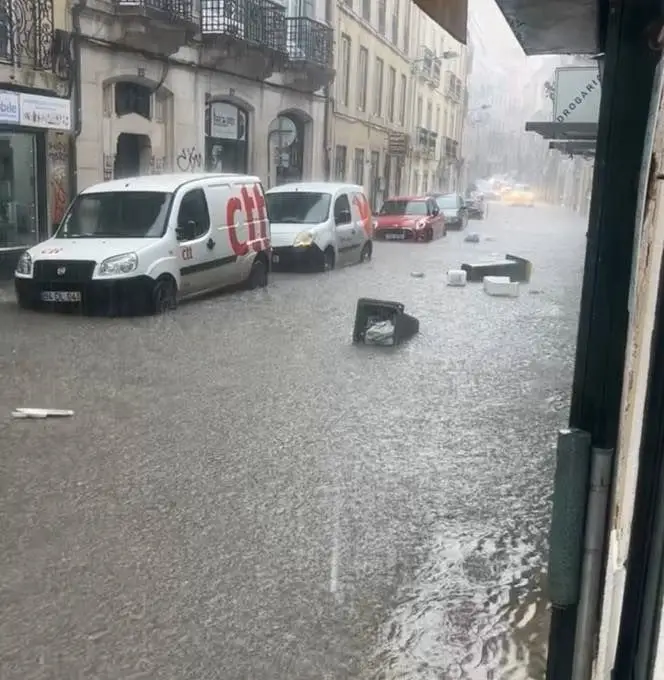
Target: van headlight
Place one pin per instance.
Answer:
(119, 264)
(24, 264)
(304, 238)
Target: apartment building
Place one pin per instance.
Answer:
(371, 108)
(35, 123)
(398, 99)
(221, 85)
(440, 67)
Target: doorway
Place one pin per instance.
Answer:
(132, 154)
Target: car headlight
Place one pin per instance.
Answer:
(304, 238)
(421, 224)
(24, 264)
(119, 264)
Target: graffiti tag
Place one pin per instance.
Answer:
(58, 161)
(109, 164)
(189, 160)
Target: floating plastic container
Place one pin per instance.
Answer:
(456, 278)
(516, 268)
(374, 318)
(501, 286)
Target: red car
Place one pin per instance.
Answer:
(409, 218)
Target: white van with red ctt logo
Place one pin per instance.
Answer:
(145, 242)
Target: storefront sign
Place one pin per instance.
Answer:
(9, 108)
(45, 112)
(577, 94)
(224, 120)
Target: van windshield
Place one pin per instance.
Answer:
(298, 207)
(118, 214)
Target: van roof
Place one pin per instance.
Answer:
(321, 187)
(168, 182)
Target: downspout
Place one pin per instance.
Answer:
(75, 91)
(326, 95)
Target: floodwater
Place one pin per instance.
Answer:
(244, 494)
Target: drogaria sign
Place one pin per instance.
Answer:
(577, 94)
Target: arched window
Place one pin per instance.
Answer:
(286, 148)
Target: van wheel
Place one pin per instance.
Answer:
(258, 276)
(366, 252)
(328, 259)
(164, 296)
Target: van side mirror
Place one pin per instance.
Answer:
(343, 217)
(435, 211)
(187, 231)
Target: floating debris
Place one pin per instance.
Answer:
(41, 413)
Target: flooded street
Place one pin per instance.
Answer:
(242, 494)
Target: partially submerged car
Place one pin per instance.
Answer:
(409, 218)
(453, 207)
(320, 225)
(477, 206)
(521, 195)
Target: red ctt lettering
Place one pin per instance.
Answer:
(259, 200)
(249, 212)
(232, 207)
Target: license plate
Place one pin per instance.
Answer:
(60, 296)
(275, 259)
(394, 237)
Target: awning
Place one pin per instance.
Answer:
(574, 148)
(564, 131)
(452, 15)
(554, 26)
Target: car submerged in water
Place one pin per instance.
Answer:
(409, 218)
(453, 207)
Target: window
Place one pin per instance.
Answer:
(391, 92)
(418, 115)
(429, 116)
(193, 208)
(366, 10)
(344, 68)
(381, 16)
(298, 207)
(378, 88)
(437, 128)
(342, 213)
(402, 100)
(406, 30)
(363, 77)
(395, 22)
(132, 98)
(118, 214)
(358, 171)
(340, 163)
(403, 206)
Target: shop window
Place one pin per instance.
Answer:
(133, 98)
(194, 209)
(18, 190)
(226, 141)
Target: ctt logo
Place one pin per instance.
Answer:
(245, 210)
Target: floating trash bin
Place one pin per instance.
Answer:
(382, 322)
(456, 278)
(516, 268)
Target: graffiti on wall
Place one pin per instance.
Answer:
(189, 159)
(157, 165)
(58, 171)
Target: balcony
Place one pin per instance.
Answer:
(454, 87)
(425, 142)
(158, 26)
(246, 37)
(310, 65)
(29, 41)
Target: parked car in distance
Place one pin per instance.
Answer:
(143, 243)
(453, 207)
(520, 195)
(319, 224)
(477, 206)
(409, 218)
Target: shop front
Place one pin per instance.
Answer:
(226, 143)
(31, 131)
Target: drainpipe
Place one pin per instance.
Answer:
(327, 99)
(75, 90)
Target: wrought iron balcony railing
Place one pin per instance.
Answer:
(26, 33)
(260, 22)
(172, 10)
(309, 40)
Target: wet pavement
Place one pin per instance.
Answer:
(244, 495)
